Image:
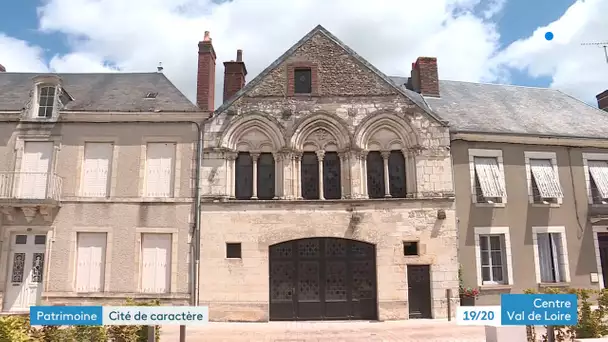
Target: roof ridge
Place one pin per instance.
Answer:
(501, 84)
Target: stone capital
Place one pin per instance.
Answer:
(320, 154)
(230, 155)
(385, 154)
(254, 156)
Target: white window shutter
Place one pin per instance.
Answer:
(35, 167)
(90, 272)
(159, 169)
(156, 263)
(96, 169)
(83, 267)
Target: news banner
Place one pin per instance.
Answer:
(514, 309)
(523, 309)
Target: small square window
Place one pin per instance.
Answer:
(233, 250)
(302, 81)
(21, 239)
(40, 239)
(410, 248)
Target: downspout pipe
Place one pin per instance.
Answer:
(196, 242)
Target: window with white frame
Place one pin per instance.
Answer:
(46, 100)
(160, 164)
(91, 260)
(493, 256)
(493, 268)
(597, 180)
(550, 252)
(96, 169)
(156, 262)
(487, 176)
(543, 179)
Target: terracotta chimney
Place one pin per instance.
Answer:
(234, 76)
(602, 100)
(2, 68)
(425, 78)
(205, 79)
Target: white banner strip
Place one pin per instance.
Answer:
(155, 315)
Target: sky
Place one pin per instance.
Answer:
(488, 41)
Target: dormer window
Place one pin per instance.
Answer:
(46, 100)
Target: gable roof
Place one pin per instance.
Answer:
(320, 29)
(507, 109)
(121, 92)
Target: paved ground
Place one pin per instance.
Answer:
(398, 331)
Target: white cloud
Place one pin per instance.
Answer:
(18, 55)
(135, 35)
(579, 70)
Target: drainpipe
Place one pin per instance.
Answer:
(197, 201)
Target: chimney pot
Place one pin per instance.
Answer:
(2, 68)
(425, 77)
(234, 75)
(602, 100)
(205, 79)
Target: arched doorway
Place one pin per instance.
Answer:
(323, 279)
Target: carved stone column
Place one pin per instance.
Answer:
(387, 186)
(278, 175)
(230, 175)
(362, 159)
(344, 175)
(254, 158)
(297, 174)
(410, 173)
(320, 156)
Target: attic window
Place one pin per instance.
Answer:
(151, 95)
(302, 81)
(46, 100)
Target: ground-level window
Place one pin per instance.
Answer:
(91, 260)
(550, 257)
(156, 262)
(493, 265)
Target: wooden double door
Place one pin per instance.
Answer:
(323, 279)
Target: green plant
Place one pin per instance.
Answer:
(15, 328)
(90, 334)
(133, 333)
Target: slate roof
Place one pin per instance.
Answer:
(507, 109)
(320, 29)
(121, 92)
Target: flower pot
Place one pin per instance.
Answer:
(467, 301)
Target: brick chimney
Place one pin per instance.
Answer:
(425, 78)
(205, 78)
(2, 68)
(234, 75)
(602, 100)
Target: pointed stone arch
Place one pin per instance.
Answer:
(320, 131)
(386, 131)
(253, 132)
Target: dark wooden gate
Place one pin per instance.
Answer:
(419, 291)
(323, 279)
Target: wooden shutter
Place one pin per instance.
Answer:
(35, 166)
(159, 169)
(90, 273)
(156, 263)
(96, 169)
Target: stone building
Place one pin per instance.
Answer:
(327, 190)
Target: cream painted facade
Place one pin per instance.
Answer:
(121, 216)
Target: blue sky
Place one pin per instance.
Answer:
(98, 35)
